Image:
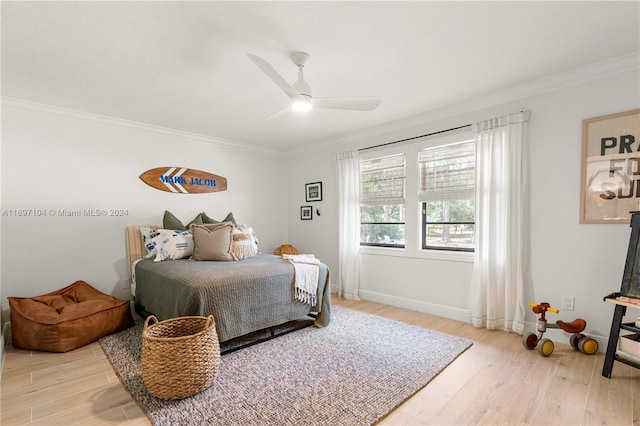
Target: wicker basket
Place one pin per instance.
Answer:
(180, 356)
(285, 249)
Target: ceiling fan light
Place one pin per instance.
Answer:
(301, 105)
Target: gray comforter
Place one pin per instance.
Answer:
(243, 296)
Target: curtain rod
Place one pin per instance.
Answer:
(415, 137)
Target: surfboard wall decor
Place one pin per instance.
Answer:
(181, 180)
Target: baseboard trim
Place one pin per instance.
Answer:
(416, 305)
(554, 334)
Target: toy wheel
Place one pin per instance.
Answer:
(588, 346)
(546, 347)
(575, 339)
(529, 341)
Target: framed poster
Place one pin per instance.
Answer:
(306, 213)
(313, 191)
(610, 180)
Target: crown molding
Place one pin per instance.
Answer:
(558, 81)
(24, 106)
(497, 97)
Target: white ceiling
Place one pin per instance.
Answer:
(182, 65)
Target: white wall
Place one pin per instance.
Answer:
(567, 258)
(54, 160)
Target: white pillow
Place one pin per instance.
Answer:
(172, 245)
(244, 242)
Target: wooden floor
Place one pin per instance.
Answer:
(495, 382)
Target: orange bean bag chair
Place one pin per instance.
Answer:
(67, 318)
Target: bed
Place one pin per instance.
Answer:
(244, 296)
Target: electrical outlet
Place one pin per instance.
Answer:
(568, 303)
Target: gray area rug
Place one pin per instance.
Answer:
(352, 372)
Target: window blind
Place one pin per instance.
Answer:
(447, 172)
(382, 180)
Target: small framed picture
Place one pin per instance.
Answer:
(306, 213)
(313, 191)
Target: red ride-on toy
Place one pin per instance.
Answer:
(579, 341)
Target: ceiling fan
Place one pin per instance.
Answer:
(300, 91)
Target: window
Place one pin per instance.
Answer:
(447, 193)
(382, 215)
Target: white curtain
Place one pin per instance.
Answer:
(348, 166)
(496, 297)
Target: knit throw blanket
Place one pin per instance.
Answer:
(305, 277)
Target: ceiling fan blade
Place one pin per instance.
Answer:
(275, 77)
(280, 113)
(354, 104)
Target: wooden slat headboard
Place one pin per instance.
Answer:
(135, 244)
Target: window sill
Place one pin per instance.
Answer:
(443, 255)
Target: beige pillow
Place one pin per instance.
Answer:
(244, 242)
(212, 241)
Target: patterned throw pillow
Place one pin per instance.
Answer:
(172, 244)
(244, 242)
(147, 238)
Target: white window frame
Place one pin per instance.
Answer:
(394, 193)
(413, 212)
(435, 167)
